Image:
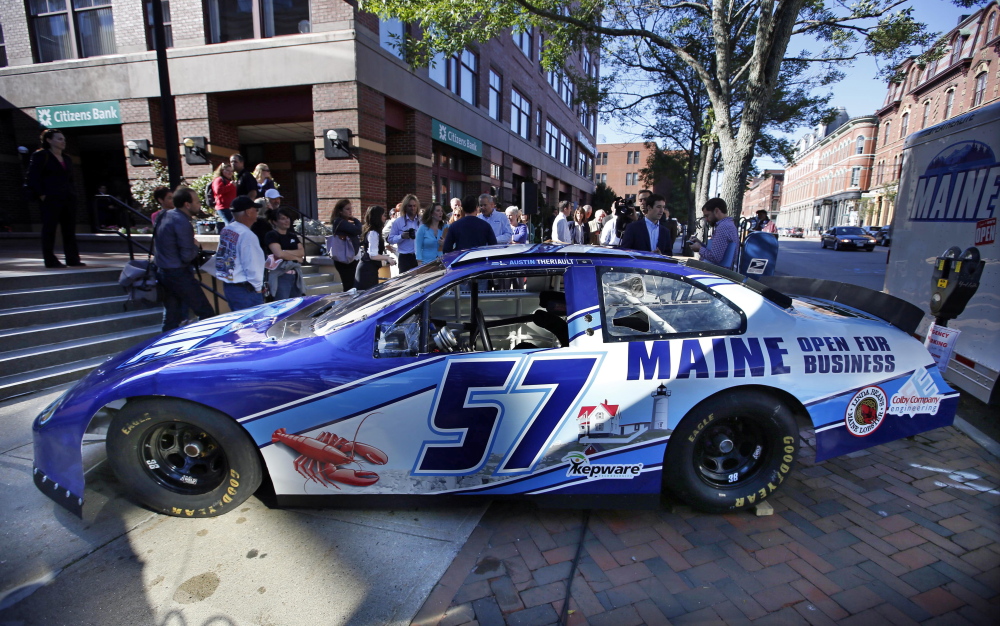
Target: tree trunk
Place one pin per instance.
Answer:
(704, 173)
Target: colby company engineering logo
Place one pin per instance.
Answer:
(579, 466)
(865, 411)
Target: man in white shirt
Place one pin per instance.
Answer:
(498, 221)
(560, 225)
(239, 262)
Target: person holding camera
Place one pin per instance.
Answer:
(624, 213)
(648, 234)
(176, 252)
(404, 232)
(715, 213)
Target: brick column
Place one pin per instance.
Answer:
(198, 116)
(408, 159)
(361, 179)
(141, 119)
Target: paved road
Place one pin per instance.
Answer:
(124, 565)
(804, 257)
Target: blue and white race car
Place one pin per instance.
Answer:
(577, 373)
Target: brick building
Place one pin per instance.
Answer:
(965, 78)
(764, 192)
(832, 166)
(270, 84)
(618, 166)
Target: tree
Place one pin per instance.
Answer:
(745, 45)
(604, 197)
(670, 166)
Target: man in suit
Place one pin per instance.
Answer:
(470, 231)
(648, 234)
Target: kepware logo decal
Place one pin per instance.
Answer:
(866, 411)
(579, 465)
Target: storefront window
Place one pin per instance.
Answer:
(58, 25)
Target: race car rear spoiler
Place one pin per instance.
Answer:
(898, 312)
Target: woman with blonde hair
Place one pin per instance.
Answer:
(264, 181)
(224, 190)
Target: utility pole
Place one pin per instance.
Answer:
(168, 113)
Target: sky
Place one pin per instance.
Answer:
(860, 92)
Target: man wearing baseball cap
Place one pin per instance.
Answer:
(273, 198)
(239, 262)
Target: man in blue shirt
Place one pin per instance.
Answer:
(470, 231)
(404, 231)
(648, 234)
(499, 221)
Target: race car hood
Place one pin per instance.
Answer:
(231, 351)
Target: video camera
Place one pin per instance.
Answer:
(623, 207)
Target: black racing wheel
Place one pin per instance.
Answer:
(731, 451)
(181, 458)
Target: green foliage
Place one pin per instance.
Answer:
(142, 189)
(604, 197)
(670, 167)
(199, 185)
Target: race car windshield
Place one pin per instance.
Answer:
(379, 297)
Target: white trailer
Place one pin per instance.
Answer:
(949, 195)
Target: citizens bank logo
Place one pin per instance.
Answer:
(579, 465)
(866, 411)
(442, 133)
(44, 116)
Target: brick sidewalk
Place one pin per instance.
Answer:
(907, 532)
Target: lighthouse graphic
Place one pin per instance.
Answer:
(606, 422)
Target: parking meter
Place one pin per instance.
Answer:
(954, 281)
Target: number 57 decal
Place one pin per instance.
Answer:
(509, 406)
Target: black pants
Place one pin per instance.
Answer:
(407, 261)
(59, 212)
(346, 271)
(182, 291)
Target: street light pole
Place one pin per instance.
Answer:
(168, 113)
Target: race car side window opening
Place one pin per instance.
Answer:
(520, 311)
(641, 305)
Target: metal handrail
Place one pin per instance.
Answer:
(216, 296)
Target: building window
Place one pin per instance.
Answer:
(392, 36)
(520, 114)
(523, 41)
(991, 27)
(860, 146)
(601, 179)
(233, 20)
(3, 49)
(926, 114)
(70, 29)
(566, 150)
(538, 128)
(956, 51)
(777, 189)
(168, 30)
(980, 90)
(855, 176)
(496, 97)
(552, 135)
(567, 92)
(903, 125)
(888, 125)
(949, 102)
(496, 171)
(602, 158)
(459, 74)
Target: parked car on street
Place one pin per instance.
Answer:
(884, 236)
(844, 237)
(578, 375)
(797, 232)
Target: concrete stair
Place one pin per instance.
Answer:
(320, 277)
(56, 326)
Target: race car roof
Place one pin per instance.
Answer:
(499, 252)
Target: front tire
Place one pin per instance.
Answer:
(183, 459)
(731, 451)
(836, 245)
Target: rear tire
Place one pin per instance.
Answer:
(183, 459)
(731, 451)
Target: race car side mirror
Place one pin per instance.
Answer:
(954, 281)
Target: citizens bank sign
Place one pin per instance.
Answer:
(454, 137)
(89, 114)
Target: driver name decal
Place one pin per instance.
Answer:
(579, 466)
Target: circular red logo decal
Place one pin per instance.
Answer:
(865, 411)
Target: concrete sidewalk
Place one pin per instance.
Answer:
(907, 532)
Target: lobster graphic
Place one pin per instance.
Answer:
(324, 459)
(867, 413)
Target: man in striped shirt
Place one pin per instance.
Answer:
(715, 213)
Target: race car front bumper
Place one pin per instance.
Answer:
(58, 493)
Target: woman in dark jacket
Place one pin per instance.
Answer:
(50, 177)
(373, 249)
(346, 225)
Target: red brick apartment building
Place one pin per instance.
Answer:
(831, 169)
(270, 84)
(764, 192)
(618, 166)
(965, 78)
